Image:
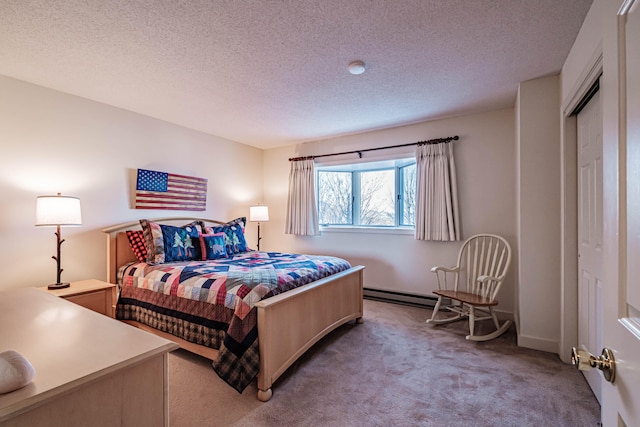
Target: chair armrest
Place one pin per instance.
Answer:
(445, 269)
(485, 279)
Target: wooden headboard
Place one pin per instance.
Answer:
(119, 250)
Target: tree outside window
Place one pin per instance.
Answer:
(335, 198)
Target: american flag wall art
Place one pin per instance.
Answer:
(161, 190)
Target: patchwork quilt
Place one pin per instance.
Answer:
(212, 302)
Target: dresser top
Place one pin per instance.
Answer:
(67, 344)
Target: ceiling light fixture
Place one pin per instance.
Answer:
(356, 67)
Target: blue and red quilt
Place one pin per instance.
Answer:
(212, 302)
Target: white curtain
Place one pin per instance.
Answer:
(302, 214)
(437, 213)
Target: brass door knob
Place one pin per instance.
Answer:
(584, 361)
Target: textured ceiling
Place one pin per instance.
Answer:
(274, 72)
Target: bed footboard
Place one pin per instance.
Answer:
(290, 323)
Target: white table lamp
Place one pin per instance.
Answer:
(58, 211)
(259, 214)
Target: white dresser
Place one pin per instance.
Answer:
(91, 370)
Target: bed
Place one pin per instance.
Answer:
(277, 326)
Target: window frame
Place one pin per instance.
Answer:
(401, 197)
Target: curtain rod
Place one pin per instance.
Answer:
(359, 152)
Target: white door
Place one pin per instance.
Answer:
(590, 234)
(621, 111)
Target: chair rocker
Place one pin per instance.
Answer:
(469, 289)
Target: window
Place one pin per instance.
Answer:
(335, 199)
(376, 194)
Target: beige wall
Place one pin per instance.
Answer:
(581, 68)
(485, 162)
(53, 142)
(586, 47)
(538, 139)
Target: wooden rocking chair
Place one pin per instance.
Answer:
(483, 262)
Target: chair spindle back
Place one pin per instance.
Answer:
(483, 255)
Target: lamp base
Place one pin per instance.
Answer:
(58, 285)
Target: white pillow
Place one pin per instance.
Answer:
(15, 371)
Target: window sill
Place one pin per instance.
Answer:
(367, 230)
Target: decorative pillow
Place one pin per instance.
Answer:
(174, 244)
(154, 241)
(181, 243)
(15, 371)
(242, 221)
(213, 246)
(138, 246)
(233, 235)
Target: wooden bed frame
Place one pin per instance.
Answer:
(288, 323)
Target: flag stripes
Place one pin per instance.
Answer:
(161, 190)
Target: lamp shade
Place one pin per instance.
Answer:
(58, 210)
(258, 213)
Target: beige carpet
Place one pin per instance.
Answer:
(393, 370)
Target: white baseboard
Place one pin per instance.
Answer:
(536, 343)
(400, 297)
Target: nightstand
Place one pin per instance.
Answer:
(93, 294)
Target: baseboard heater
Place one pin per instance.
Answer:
(400, 297)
